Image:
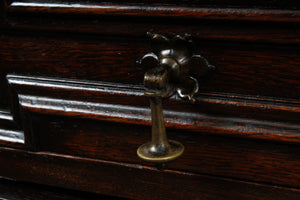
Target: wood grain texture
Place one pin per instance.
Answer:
(156, 11)
(250, 69)
(205, 153)
(259, 32)
(81, 129)
(13, 190)
(128, 180)
(180, 120)
(269, 4)
(87, 99)
(99, 120)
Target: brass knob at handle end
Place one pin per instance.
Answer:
(160, 149)
(151, 153)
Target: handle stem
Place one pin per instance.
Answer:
(160, 149)
(159, 135)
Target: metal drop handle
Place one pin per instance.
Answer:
(160, 149)
(172, 67)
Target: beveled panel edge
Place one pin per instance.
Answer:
(5, 115)
(10, 134)
(267, 4)
(158, 11)
(110, 102)
(179, 120)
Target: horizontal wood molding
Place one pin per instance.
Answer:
(267, 4)
(249, 69)
(129, 180)
(6, 119)
(78, 112)
(10, 134)
(173, 119)
(157, 11)
(283, 33)
(127, 104)
(229, 24)
(73, 110)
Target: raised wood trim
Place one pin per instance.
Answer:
(180, 120)
(42, 100)
(230, 24)
(111, 102)
(283, 33)
(158, 11)
(10, 134)
(6, 120)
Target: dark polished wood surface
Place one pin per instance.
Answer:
(73, 112)
(131, 180)
(12, 190)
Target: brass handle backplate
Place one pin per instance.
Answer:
(171, 68)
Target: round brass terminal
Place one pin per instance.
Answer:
(151, 153)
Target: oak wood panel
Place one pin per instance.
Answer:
(128, 180)
(79, 97)
(205, 153)
(65, 59)
(181, 120)
(259, 32)
(112, 128)
(251, 69)
(248, 129)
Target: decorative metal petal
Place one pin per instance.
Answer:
(158, 43)
(199, 66)
(148, 61)
(182, 69)
(182, 47)
(188, 87)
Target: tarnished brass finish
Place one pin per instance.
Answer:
(172, 67)
(159, 149)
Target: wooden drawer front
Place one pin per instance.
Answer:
(73, 110)
(255, 51)
(236, 158)
(108, 122)
(247, 69)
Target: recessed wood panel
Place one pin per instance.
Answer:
(205, 153)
